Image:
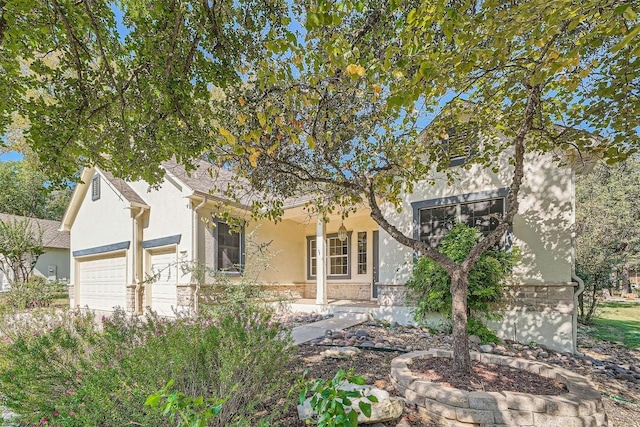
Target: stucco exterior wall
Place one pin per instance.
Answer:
(59, 259)
(101, 222)
(542, 230)
(170, 213)
(542, 227)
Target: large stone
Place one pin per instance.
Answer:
(387, 408)
(341, 352)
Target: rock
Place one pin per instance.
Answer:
(474, 339)
(626, 377)
(340, 352)
(367, 344)
(543, 354)
(387, 408)
(362, 334)
(486, 348)
(403, 423)
(337, 334)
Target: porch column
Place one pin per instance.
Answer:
(321, 263)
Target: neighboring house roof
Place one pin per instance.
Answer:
(51, 236)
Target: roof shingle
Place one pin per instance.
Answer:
(51, 236)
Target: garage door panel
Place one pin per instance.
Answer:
(164, 289)
(103, 283)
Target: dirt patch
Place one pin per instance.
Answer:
(485, 377)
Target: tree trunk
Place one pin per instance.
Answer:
(459, 290)
(626, 282)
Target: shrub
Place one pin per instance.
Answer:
(35, 292)
(77, 372)
(430, 284)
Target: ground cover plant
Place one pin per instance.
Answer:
(618, 322)
(71, 369)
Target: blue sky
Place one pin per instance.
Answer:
(11, 156)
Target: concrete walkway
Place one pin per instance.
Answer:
(308, 332)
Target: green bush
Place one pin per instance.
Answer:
(430, 284)
(34, 293)
(72, 370)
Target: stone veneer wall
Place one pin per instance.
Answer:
(130, 299)
(541, 298)
(186, 296)
(450, 407)
(352, 291)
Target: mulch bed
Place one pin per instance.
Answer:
(375, 366)
(486, 377)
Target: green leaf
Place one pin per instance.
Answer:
(313, 21)
(396, 100)
(625, 41)
(153, 400)
(358, 379)
(353, 418)
(365, 408)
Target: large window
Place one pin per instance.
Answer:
(362, 252)
(337, 255)
(229, 248)
(435, 221)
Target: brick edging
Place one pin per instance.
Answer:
(447, 406)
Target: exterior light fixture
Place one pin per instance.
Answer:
(342, 233)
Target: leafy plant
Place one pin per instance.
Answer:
(35, 292)
(486, 335)
(430, 283)
(84, 370)
(332, 401)
(187, 411)
(20, 247)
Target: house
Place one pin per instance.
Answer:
(122, 233)
(54, 263)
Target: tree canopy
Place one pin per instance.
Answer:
(607, 233)
(324, 96)
(124, 84)
(25, 191)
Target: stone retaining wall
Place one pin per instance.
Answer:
(450, 407)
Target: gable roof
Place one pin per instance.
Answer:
(51, 236)
(121, 186)
(208, 179)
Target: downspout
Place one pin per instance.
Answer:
(574, 276)
(580, 282)
(136, 261)
(195, 251)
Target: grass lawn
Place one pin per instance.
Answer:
(618, 322)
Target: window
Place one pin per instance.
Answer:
(337, 255)
(362, 252)
(229, 248)
(435, 221)
(95, 187)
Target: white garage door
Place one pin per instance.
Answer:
(103, 282)
(164, 289)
